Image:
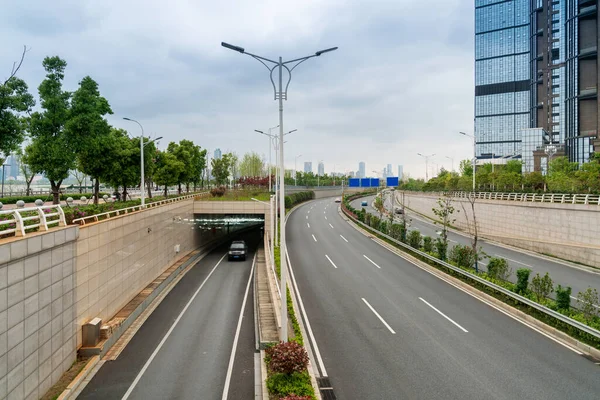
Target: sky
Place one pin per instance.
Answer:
(401, 82)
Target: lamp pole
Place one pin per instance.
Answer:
(295, 169)
(3, 173)
(279, 94)
(319, 173)
(474, 155)
(142, 186)
(270, 144)
(426, 164)
(452, 160)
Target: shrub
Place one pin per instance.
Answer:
(375, 221)
(383, 227)
(368, 219)
(498, 269)
(522, 280)
(463, 256)
(414, 239)
(427, 244)
(397, 231)
(441, 249)
(563, 297)
(218, 191)
(299, 197)
(542, 286)
(287, 358)
(294, 397)
(297, 384)
(588, 303)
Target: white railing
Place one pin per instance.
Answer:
(128, 210)
(268, 257)
(556, 198)
(43, 218)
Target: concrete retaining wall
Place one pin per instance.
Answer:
(37, 311)
(569, 231)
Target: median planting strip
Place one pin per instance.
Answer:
(587, 338)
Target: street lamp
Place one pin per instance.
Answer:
(295, 169)
(452, 160)
(143, 185)
(272, 224)
(474, 155)
(270, 144)
(319, 173)
(3, 173)
(280, 93)
(426, 164)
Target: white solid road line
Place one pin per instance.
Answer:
(371, 261)
(307, 217)
(303, 311)
(326, 217)
(379, 316)
(315, 239)
(334, 266)
(346, 240)
(510, 259)
(237, 335)
(331, 226)
(444, 315)
(307, 224)
(164, 339)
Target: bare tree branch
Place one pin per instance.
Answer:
(17, 65)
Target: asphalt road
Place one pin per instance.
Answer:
(387, 329)
(579, 278)
(193, 361)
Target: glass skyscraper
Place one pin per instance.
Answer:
(536, 67)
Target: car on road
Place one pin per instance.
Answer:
(338, 200)
(237, 250)
(399, 211)
(363, 203)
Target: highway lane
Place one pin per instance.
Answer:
(387, 329)
(561, 273)
(190, 361)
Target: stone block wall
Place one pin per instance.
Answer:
(37, 311)
(569, 231)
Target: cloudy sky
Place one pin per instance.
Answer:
(401, 82)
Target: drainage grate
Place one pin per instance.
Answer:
(326, 389)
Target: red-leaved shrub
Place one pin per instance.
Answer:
(294, 397)
(218, 191)
(287, 358)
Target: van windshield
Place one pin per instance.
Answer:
(237, 246)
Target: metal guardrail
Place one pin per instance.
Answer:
(556, 198)
(576, 324)
(41, 216)
(128, 210)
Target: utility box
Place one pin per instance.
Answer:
(91, 333)
(177, 248)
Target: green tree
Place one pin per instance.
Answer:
(26, 170)
(125, 161)
(198, 165)
(220, 169)
(89, 132)
(534, 180)
(444, 211)
(378, 205)
(14, 101)
(466, 168)
(588, 175)
(183, 153)
(588, 303)
(168, 169)
(51, 152)
(542, 286)
(252, 165)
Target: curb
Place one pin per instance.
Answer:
(76, 385)
(491, 301)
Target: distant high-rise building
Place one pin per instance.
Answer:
(217, 155)
(12, 172)
(321, 169)
(351, 174)
(361, 173)
(389, 170)
(400, 172)
(307, 166)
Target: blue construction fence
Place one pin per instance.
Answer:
(372, 182)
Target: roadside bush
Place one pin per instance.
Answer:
(441, 248)
(297, 384)
(397, 231)
(498, 269)
(563, 297)
(542, 286)
(522, 280)
(287, 358)
(588, 303)
(375, 221)
(427, 244)
(218, 191)
(383, 227)
(415, 239)
(463, 256)
(299, 197)
(368, 219)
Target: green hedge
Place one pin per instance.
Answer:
(296, 198)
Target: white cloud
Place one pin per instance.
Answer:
(400, 83)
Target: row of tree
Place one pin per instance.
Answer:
(562, 177)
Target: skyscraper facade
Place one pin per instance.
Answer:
(321, 169)
(536, 80)
(361, 173)
(217, 154)
(307, 166)
(400, 172)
